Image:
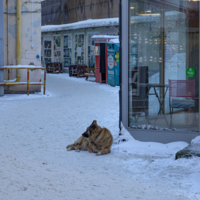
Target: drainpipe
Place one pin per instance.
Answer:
(18, 71)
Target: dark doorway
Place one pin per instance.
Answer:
(103, 63)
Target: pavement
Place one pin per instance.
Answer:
(35, 131)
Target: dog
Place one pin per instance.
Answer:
(95, 140)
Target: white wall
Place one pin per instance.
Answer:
(30, 41)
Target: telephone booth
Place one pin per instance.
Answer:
(100, 51)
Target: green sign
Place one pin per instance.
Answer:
(190, 72)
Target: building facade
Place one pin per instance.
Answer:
(69, 11)
(30, 41)
(73, 43)
(68, 27)
(160, 83)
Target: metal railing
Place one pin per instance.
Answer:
(28, 83)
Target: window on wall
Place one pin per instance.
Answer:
(57, 48)
(164, 64)
(91, 56)
(67, 49)
(47, 49)
(79, 48)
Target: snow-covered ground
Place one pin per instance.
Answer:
(34, 163)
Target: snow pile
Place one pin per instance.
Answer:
(90, 23)
(196, 141)
(128, 144)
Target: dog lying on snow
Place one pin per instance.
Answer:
(95, 140)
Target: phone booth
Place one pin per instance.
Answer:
(100, 52)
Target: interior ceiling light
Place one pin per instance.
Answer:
(150, 14)
(148, 11)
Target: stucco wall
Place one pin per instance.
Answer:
(30, 41)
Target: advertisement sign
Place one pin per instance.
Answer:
(97, 51)
(111, 66)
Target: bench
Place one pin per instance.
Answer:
(88, 73)
(54, 68)
(77, 70)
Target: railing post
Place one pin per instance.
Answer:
(44, 81)
(27, 81)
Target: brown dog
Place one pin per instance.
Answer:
(94, 139)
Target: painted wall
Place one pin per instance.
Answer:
(30, 42)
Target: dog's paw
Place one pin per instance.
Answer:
(98, 154)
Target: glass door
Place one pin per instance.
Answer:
(67, 49)
(79, 48)
(57, 48)
(47, 49)
(90, 46)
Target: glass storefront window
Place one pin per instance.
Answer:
(91, 56)
(57, 48)
(79, 48)
(67, 49)
(164, 64)
(47, 49)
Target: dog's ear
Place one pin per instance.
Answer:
(94, 122)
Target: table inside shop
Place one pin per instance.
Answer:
(160, 100)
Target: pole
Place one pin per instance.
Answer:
(27, 81)
(1, 49)
(44, 81)
(18, 72)
(120, 67)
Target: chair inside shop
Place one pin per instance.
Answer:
(181, 96)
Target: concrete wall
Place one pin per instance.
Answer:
(30, 42)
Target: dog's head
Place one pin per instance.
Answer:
(90, 130)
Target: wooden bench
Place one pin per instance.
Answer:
(54, 68)
(77, 70)
(88, 73)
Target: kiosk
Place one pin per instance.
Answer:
(100, 52)
(113, 62)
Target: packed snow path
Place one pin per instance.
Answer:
(34, 163)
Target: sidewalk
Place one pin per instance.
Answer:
(34, 133)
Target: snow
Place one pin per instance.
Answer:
(10, 80)
(90, 23)
(196, 140)
(104, 36)
(23, 66)
(114, 41)
(36, 129)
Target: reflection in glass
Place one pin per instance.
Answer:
(163, 44)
